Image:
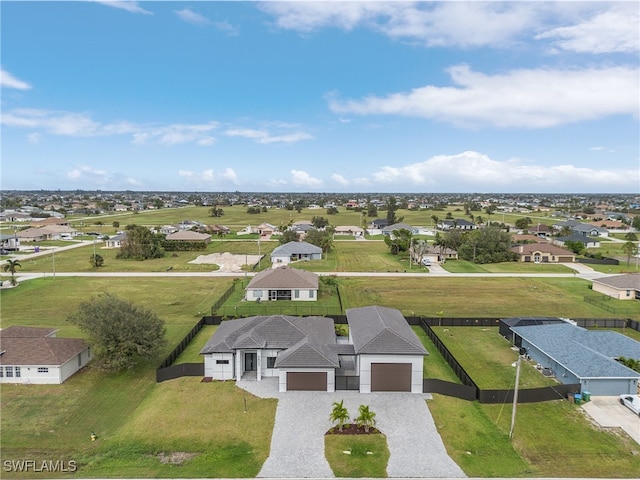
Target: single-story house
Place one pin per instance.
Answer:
(460, 224)
(48, 232)
(575, 355)
(588, 242)
(350, 230)
(117, 240)
(218, 229)
(9, 242)
(506, 323)
(389, 229)
(36, 355)
(266, 229)
(49, 221)
(543, 253)
(304, 352)
(295, 251)
(378, 223)
(620, 287)
(283, 283)
(189, 236)
(587, 230)
(541, 230)
(437, 254)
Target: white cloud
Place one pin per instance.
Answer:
(614, 30)
(303, 179)
(339, 179)
(534, 98)
(9, 81)
(129, 6)
(84, 172)
(34, 138)
(262, 136)
(210, 177)
(227, 28)
(473, 171)
(190, 16)
(82, 125)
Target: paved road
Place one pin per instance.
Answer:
(302, 418)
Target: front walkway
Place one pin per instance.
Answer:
(302, 418)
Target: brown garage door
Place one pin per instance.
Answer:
(316, 381)
(390, 377)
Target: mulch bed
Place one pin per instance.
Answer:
(351, 429)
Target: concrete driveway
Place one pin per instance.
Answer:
(302, 418)
(608, 412)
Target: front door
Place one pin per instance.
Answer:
(250, 362)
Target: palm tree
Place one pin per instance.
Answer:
(366, 419)
(11, 266)
(435, 220)
(630, 249)
(339, 414)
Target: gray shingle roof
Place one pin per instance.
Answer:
(588, 354)
(629, 280)
(284, 277)
(295, 248)
(382, 330)
(308, 353)
(33, 346)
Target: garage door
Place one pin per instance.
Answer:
(316, 381)
(390, 377)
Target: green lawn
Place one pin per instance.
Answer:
(464, 266)
(368, 455)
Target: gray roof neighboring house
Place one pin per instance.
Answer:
(382, 330)
(578, 238)
(284, 277)
(189, 236)
(588, 354)
(396, 226)
(296, 248)
(630, 281)
(586, 229)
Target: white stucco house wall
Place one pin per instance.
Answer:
(283, 283)
(36, 356)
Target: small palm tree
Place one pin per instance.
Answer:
(366, 419)
(10, 266)
(339, 414)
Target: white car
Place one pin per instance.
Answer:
(632, 402)
(426, 262)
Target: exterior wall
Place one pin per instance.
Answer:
(264, 364)
(331, 377)
(29, 375)
(262, 294)
(364, 368)
(74, 364)
(280, 260)
(609, 386)
(219, 371)
(616, 293)
(560, 372)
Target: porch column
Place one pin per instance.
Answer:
(259, 365)
(239, 356)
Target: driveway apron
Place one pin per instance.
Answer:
(302, 419)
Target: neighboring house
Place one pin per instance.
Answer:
(49, 221)
(119, 207)
(266, 229)
(36, 355)
(190, 224)
(527, 238)
(587, 230)
(304, 353)
(437, 254)
(388, 230)
(49, 232)
(575, 355)
(541, 230)
(218, 229)
(189, 236)
(505, 325)
(588, 242)
(294, 252)
(378, 224)
(460, 224)
(9, 242)
(543, 253)
(620, 287)
(283, 283)
(350, 230)
(117, 240)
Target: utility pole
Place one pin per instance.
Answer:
(515, 398)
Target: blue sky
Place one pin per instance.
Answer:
(332, 96)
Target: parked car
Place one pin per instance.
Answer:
(632, 402)
(426, 262)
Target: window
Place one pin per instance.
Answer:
(271, 362)
(297, 293)
(257, 293)
(628, 293)
(43, 370)
(312, 293)
(222, 362)
(9, 371)
(1, 372)
(17, 372)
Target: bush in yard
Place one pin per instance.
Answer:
(119, 332)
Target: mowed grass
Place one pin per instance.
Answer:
(479, 297)
(488, 358)
(368, 458)
(465, 266)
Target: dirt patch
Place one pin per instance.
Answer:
(352, 429)
(227, 262)
(175, 458)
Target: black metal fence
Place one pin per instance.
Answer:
(435, 385)
(528, 395)
(180, 370)
(223, 298)
(604, 302)
(250, 309)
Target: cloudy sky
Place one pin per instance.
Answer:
(330, 96)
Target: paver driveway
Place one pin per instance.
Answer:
(302, 418)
